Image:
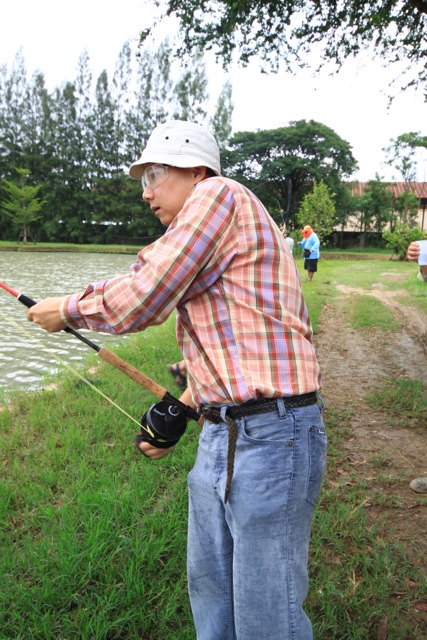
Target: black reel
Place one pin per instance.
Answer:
(162, 425)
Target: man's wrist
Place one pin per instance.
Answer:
(69, 308)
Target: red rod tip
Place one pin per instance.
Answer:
(6, 288)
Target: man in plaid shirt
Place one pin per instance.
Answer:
(245, 334)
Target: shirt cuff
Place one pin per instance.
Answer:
(69, 310)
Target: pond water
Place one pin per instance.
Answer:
(26, 351)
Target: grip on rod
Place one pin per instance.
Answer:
(132, 372)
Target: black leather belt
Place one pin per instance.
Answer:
(250, 408)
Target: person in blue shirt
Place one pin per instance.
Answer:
(311, 246)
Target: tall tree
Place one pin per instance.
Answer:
(281, 165)
(120, 91)
(38, 130)
(401, 154)
(12, 115)
(402, 157)
(103, 120)
(373, 209)
(103, 198)
(161, 84)
(146, 105)
(407, 205)
(220, 122)
(286, 30)
(22, 205)
(84, 130)
(70, 186)
(318, 210)
(191, 91)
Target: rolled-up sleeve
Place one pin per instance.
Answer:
(163, 272)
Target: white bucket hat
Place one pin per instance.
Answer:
(179, 144)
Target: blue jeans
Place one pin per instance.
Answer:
(247, 559)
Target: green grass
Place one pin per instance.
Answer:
(365, 275)
(367, 312)
(93, 535)
(403, 398)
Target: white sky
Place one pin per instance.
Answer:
(354, 103)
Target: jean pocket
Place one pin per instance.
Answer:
(317, 445)
(269, 428)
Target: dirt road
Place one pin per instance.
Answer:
(354, 363)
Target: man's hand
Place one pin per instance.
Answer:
(46, 314)
(152, 452)
(413, 251)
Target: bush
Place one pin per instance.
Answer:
(402, 236)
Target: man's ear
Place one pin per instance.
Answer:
(199, 174)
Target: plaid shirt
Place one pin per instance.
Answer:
(242, 323)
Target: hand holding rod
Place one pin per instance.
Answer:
(110, 357)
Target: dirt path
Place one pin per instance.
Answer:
(356, 362)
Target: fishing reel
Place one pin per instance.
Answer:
(162, 425)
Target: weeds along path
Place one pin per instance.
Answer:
(383, 451)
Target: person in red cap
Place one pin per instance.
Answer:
(244, 331)
(311, 246)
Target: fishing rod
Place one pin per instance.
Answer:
(165, 422)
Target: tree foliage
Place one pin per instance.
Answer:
(78, 140)
(281, 165)
(373, 209)
(402, 154)
(286, 30)
(221, 120)
(22, 205)
(399, 239)
(406, 206)
(317, 209)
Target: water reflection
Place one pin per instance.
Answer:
(26, 351)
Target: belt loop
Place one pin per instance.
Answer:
(320, 402)
(281, 407)
(223, 411)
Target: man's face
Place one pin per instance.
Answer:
(167, 190)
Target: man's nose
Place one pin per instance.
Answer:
(147, 193)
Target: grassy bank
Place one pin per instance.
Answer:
(355, 253)
(93, 535)
(41, 247)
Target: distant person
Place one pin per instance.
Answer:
(290, 241)
(302, 242)
(311, 246)
(413, 254)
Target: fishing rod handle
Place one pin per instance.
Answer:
(136, 375)
(132, 372)
(29, 302)
(146, 382)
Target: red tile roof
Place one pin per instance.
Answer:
(418, 188)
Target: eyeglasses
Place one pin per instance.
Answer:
(154, 175)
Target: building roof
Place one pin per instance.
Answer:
(418, 188)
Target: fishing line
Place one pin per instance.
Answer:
(41, 346)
